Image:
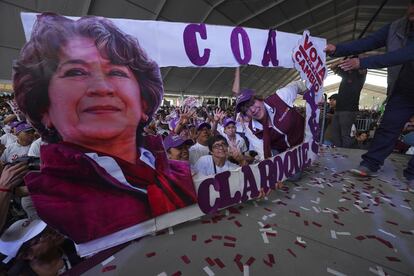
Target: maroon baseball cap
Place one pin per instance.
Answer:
(244, 96)
(174, 141)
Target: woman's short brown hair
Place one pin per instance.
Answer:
(39, 59)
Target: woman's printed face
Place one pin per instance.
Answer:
(91, 99)
(256, 111)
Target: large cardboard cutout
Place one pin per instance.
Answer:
(201, 45)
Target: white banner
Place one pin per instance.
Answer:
(191, 44)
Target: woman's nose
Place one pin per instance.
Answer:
(99, 86)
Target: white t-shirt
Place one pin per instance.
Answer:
(196, 151)
(205, 166)
(35, 148)
(14, 151)
(240, 144)
(8, 139)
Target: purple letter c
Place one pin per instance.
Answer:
(190, 44)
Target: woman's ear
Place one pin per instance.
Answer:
(144, 108)
(46, 121)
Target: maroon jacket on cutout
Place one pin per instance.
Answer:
(76, 196)
(288, 125)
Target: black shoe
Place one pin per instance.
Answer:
(362, 171)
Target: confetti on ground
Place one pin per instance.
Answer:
(238, 223)
(378, 271)
(194, 237)
(387, 233)
(208, 271)
(185, 259)
(393, 259)
(107, 261)
(245, 270)
(209, 261)
(264, 237)
(163, 274)
(151, 254)
(108, 268)
(291, 252)
(177, 273)
(229, 244)
(219, 263)
(334, 272)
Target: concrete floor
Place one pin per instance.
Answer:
(329, 223)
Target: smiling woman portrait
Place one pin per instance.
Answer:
(89, 89)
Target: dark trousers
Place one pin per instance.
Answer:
(341, 128)
(398, 111)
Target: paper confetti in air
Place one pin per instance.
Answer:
(107, 261)
(334, 272)
(333, 234)
(208, 271)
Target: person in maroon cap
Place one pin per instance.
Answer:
(274, 119)
(177, 147)
(89, 89)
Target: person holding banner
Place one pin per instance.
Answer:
(274, 119)
(398, 37)
(89, 90)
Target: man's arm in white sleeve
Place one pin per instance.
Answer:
(289, 92)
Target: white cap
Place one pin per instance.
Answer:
(17, 234)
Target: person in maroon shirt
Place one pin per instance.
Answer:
(273, 119)
(89, 90)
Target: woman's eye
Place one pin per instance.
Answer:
(118, 73)
(74, 73)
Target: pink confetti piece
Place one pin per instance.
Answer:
(393, 259)
(238, 257)
(229, 244)
(216, 237)
(335, 216)
(185, 259)
(233, 210)
(291, 252)
(339, 223)
(295, 212)
(406, 232)
(300, 244)
(267, 209)
(194, 237)
(177, 273)
(271, 258)
(306, 222)
(108, 268)
(271, 234)
(250, 261)
(230, 238)
(151, 254)
(219, 263)
(267, 263)
(208, 241)
(209, 261)
(316, 224)
(230, 218)
(238, 223)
